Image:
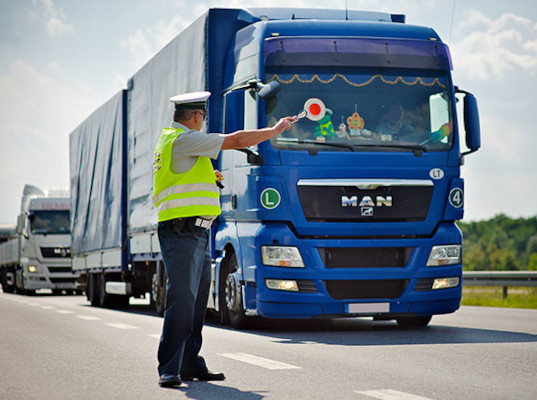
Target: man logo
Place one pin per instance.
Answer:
(366, 201)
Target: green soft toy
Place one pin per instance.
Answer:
(324, 127)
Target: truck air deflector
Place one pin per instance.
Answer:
(356, 52)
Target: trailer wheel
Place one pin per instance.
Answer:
(92, 290)
(158, 289)
(414, 322)
(105, 299)
(233, 306)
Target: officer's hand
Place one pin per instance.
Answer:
(284, 124)
(219, 176)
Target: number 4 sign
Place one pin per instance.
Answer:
(456, 197)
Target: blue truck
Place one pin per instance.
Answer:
(349, 213)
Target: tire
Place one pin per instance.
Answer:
(158, 290)
(414, 322)
(6, 288)
(231, 297)
(105, 300)
(92, 290)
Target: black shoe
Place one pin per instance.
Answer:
(169, 381)
(205, 376)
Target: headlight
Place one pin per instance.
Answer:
(281, 284)
(33, 268)
(444, 255)
(446, 283)
(281, 256)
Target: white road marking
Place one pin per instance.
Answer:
(88, 317)
(65, 311)
(259, 361)
(119, 325)
(390, 394)
(48, 308)
(156, 336)
(33, 304)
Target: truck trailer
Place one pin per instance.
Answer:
(38, 253)
(349, 213)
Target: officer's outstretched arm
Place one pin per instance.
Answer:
(246, 138)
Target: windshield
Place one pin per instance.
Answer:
(358, 109)
(50, 222)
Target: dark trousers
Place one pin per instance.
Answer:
(187, 261)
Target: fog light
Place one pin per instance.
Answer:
(281, 256)
(446, 283)
(281, 284)
(32, 268)
(444, 255)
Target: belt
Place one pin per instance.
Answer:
(203, 223)
(182, 224)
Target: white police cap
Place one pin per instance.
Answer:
(192, 99)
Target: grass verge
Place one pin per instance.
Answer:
(492, 296)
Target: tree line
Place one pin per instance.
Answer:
(500, 244)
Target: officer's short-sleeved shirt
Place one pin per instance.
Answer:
(190, 145)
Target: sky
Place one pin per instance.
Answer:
(61, 59)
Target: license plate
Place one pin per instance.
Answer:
(63, 286)
(367, 308)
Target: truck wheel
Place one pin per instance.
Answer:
(6, 288)
(105, 300)
(233, 305)
(414, 322)
(92, 290)
(158, 290)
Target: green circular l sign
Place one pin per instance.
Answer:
(270, 198)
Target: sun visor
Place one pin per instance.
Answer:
(356, 52)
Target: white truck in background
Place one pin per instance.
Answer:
(38, 255)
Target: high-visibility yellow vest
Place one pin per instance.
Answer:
(187, 194)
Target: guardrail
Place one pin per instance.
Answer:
(500, 278)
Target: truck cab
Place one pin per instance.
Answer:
(352, 211)
(39, 256)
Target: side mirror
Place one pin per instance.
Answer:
(21, 225)
(269, 90)
(471, 123)
(252, 157)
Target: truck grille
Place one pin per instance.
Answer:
(56, 252)
(359, 257)
(366, 289)
(62, 280)
(359, 200)
(58, 270)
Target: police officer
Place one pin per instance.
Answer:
(186, 197)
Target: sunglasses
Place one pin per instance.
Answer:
(203, 113)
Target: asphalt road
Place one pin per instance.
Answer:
(58, 347)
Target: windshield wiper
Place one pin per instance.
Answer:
(314, 142)
(416, 148)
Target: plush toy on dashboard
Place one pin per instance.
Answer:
(324, 127)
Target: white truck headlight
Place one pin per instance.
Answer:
(445, 255)
(446, 283)
(282, 284)
(281, 256)
(34, 269)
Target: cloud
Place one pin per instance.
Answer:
(144, 43)
(53, 17)
(495, 48)
(37, 113)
